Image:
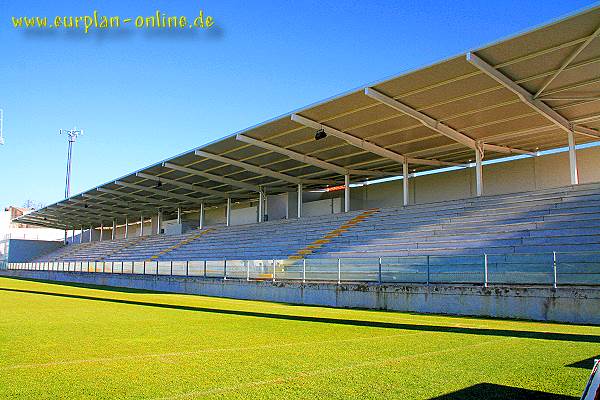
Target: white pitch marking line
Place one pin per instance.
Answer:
(301, 375)
(186, 353)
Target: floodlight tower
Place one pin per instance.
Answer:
(72, 135)
(1, 121)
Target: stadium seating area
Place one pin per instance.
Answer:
(561, 219)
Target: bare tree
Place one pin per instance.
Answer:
(32, 204)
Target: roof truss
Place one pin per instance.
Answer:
(262, 171)
(212, 177)
(164, 193)
(566, 63)
(536, 104)
(303, 158)
(366, 145)
(438, 126)
(184, 185)
(159, 203)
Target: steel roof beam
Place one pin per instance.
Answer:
(212, 177)
(107, 207)
(567, 61)
(158, 203)
(303, 158)
(159, 192)
(125, 204)
(367, 146)
(438, 126)
(82, 210)
(260, 170)
(184, 185)
(537, 105)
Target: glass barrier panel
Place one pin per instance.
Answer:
(138, 267)
(321, 269)
(196, 268)
(520, 269)
(359, 269)
(151, 267)
(408, 269)
(581, 268)
(260, 269)
(164, 267)
(128, 267)
(465, 269)
(237, 269)
(289, 269)
(180, 268)
(215, 268)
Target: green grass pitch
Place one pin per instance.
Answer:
(69, 342)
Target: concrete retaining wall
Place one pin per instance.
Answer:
(575, 305)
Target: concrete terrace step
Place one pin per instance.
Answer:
(539, 221)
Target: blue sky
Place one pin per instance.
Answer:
(142, 96)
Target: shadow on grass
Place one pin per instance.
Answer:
(84, 285)
(588, 363)
(490, 391)
(572, 337)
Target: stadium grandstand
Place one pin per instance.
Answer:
(482, 168)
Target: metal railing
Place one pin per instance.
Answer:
(549, 269)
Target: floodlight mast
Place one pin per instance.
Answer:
(1, 125)
(72, 135)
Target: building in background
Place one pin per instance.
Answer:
(15, 231)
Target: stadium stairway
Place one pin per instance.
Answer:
(183, 242)
(319, 243)
(565, 219)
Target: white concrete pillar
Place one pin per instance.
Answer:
(299, 200)
(228, 212)
(113, 234)
(179, 215)
(573, 160)
(81, 235)
(261, 202)
(126, 227)
(346, 193)
(101, 230)
(405, 182)
(158, 221)
(479, 170)
(141, 224)
(201, 222)
(73, 234)
(91, 233)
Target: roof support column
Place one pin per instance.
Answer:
(479, 170)
(158, 221)
(81, 235)
(201, 221)
(266, 206)
(91, 233)
(573, 160)
(101, 230)
(73, 234)
(179, 215)
(228, 212)
(126, 227)
(141, 224)
(114, 229)
(346, 192)
(299, 200)
(261, 202)
(405, 182)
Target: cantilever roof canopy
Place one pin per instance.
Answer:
(516, 96)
